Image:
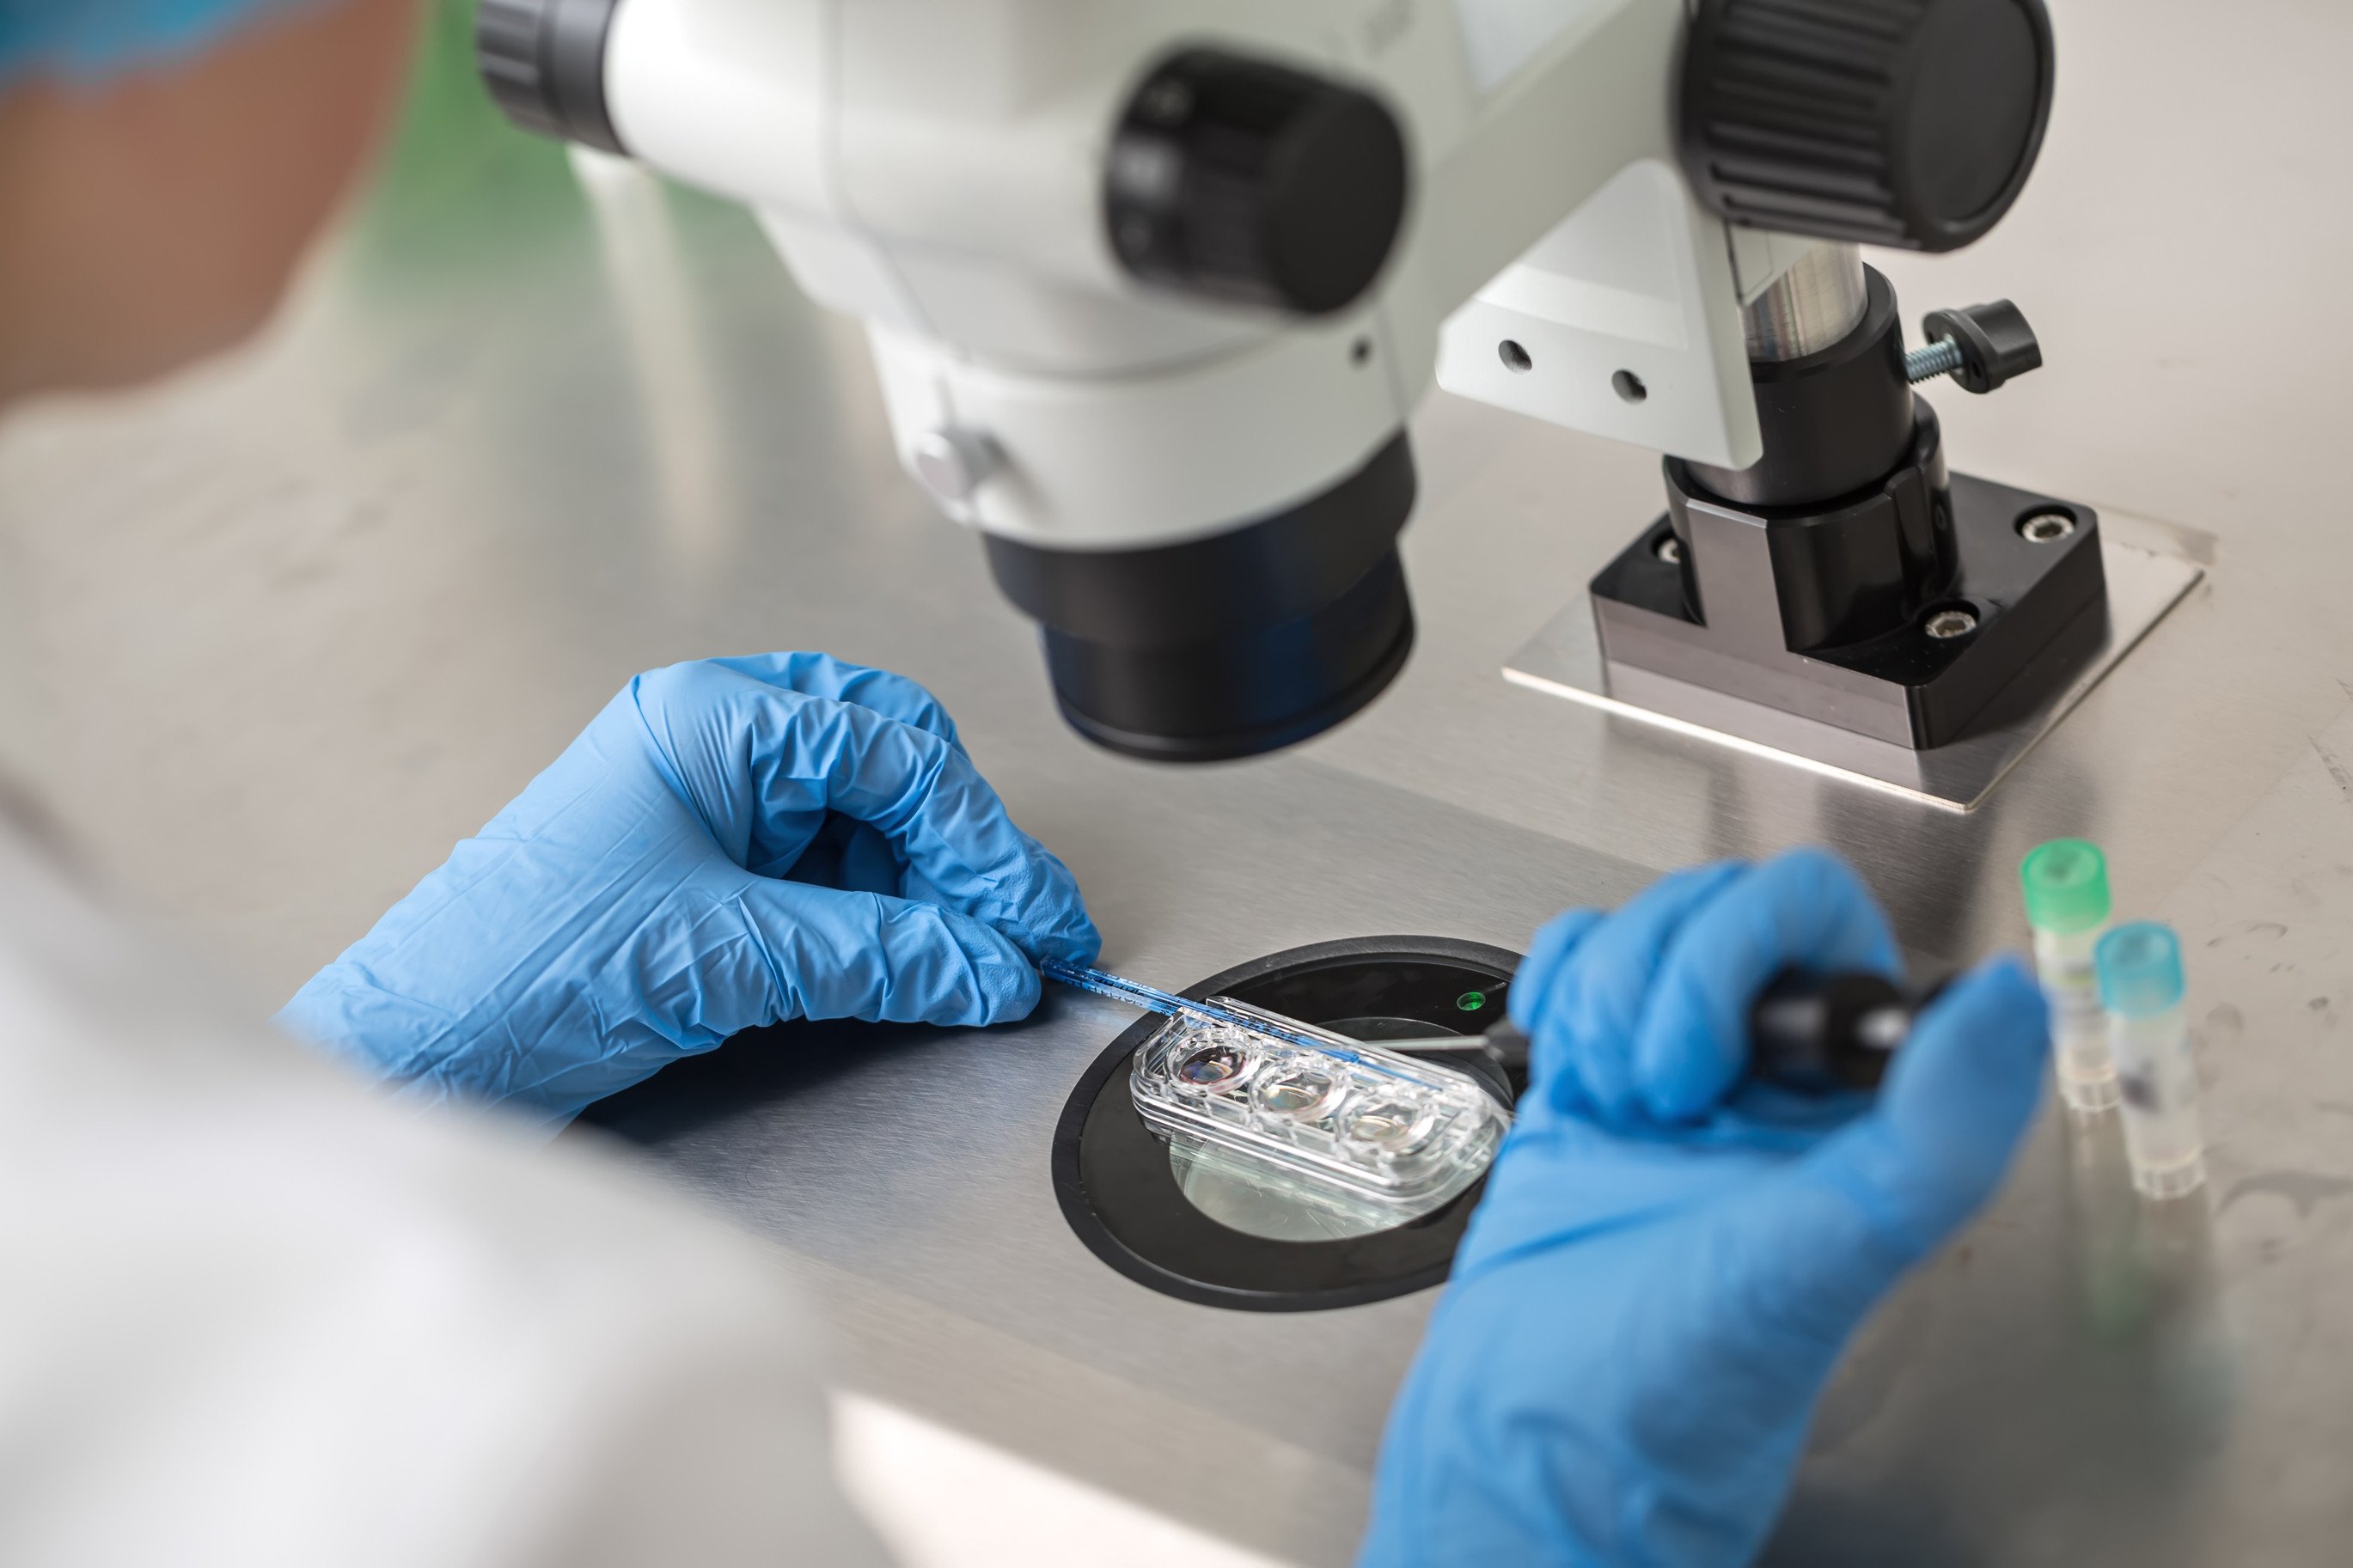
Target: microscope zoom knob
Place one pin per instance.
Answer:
(1240, 180)
(1899, 123)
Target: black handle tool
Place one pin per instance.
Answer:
(1807, 1032)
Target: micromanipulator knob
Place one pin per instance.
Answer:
(1900, 122)
(1236, 179)
(1815, 1033)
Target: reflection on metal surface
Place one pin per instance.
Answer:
(659, 304)
(1565, 660)
(2145, 1266)
(1819, 300)
(942, 1498)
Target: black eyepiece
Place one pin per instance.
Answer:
(543, 61)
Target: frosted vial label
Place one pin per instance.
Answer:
(2079, 1025)
(2157, 1079)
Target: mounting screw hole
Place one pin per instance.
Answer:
(2046, 527)
(1515, 358)
(1669, 550)
(1947, 625)
(1361, 351)
(1628, 385)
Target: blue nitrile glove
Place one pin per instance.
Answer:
(729, 843)
(1668, 1260)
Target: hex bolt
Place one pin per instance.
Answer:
(1669, 550)
(1947, 625)
(2046, 527)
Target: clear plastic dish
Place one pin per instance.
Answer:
(1376, 1134)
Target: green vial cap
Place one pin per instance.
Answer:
(2140, 969)
(2066, 883)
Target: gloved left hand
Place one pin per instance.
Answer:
(1669, 1259)
(729, 843)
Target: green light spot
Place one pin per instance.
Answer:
(1470, 1001)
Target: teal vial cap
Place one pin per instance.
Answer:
(2140, 969)
(2066, 884)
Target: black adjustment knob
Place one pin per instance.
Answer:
(1898, 123)
(1992, 342)
(1244, 181)
(1821, 1032)
(543, 61)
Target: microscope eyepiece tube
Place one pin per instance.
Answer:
(1234, 643)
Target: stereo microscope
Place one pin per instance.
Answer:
(1153, 289)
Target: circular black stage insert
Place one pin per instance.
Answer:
(1121, 1193)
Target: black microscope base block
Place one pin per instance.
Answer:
(2041, 609)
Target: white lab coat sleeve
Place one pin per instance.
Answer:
(251, 1313)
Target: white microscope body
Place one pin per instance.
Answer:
(958, 174)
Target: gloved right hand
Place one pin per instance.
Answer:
(729, 843)
(1668, 1259)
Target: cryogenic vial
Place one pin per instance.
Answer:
(2066, 883)
(1363, 1137)
(2148, 1035)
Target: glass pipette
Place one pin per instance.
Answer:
(1151, 999)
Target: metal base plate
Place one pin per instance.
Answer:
(1564, 659)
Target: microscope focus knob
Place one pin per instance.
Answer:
(1236, 179)
(1897, 122)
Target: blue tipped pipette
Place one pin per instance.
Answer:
(1151, 999)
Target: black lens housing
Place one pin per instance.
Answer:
(1235, 644)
